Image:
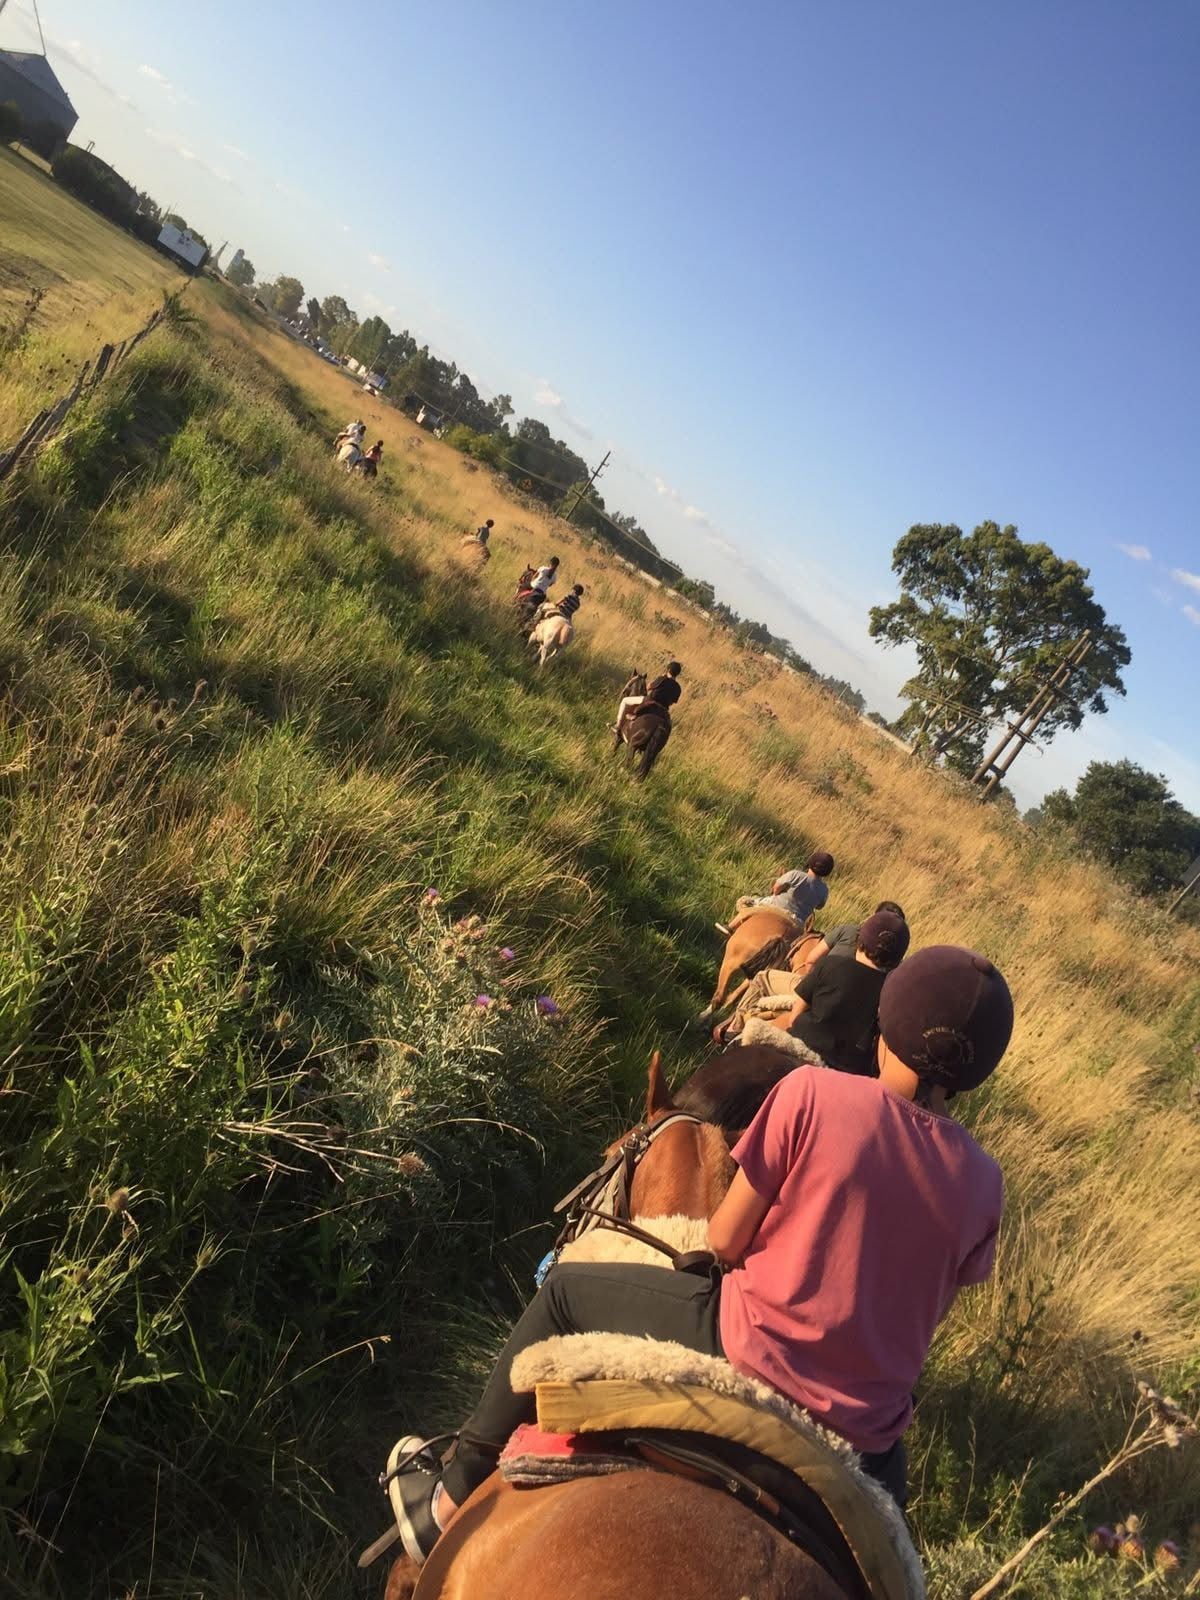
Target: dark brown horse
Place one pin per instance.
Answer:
(635, 1535)
(646, 734)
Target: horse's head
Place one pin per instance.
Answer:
(685, 1169)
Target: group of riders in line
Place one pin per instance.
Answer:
(858, 1206)
(348, 449)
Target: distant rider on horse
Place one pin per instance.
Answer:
(858, 1209)
(565, 608)
(797, 894)
(664, 691)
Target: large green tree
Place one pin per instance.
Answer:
(1128, 818)
(991, 618)
(241, 273)
(284, 295)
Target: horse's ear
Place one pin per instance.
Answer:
(658, 1096)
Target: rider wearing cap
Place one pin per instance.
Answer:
(858, 1210)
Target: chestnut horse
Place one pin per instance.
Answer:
(635, 1535)
(766, 938)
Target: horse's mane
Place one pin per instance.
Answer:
(730, 1089)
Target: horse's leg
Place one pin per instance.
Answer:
(730, 964)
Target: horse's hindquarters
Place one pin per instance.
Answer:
(635, 1535)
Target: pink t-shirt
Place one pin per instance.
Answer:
(881, 1212)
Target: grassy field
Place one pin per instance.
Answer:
(272, 1177)
(96, 285)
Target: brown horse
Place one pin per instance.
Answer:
(634, 1535)
(766, 938)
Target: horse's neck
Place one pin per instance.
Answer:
(685, 1173)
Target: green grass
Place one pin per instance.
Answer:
(252, 1115)
(70, 282)
(271, 1182)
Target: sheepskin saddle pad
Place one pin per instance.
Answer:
(649, 1392)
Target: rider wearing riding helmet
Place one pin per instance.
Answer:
(834, 1016)
(858, 1209)
(484, 532)
(841, 940)
(566, 607)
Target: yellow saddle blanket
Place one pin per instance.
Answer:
(589, 1383)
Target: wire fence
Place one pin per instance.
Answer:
(49, 421)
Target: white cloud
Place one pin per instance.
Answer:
(174, 95)
(1190, 580)
(1192, 614)
(1135, 552)
(381, 263)
(232, 150)
(379, 307)
(690, 512)
(184, 151)
(547, 395)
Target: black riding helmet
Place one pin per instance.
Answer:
(948, 1014)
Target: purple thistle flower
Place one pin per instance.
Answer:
(431, 897)
(508, 955)
(484, 1002)
(547, 1007)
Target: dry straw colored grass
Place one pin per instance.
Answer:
(1089, 1117)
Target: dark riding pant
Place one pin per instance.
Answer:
(656, 1302)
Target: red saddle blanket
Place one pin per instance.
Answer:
(532, 1457)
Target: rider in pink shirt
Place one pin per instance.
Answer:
(879, 1211)
(858, 1209)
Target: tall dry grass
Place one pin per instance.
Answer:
(1093, 1114)
(212, 898)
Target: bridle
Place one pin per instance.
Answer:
(601, 1200)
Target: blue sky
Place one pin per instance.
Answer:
(813, 273)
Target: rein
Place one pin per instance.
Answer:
(601, 1200)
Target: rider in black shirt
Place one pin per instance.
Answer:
(664, 691)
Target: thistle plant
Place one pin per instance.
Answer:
(1158, 1422)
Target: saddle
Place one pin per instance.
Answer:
(650, 708)
(677, 1410)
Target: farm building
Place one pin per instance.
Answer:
(28, 80)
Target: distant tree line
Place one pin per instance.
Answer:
(525, 451)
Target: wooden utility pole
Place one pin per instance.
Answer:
(1191, 880)
(587, 488)
(1018, 734)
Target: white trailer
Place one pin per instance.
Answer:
(181, 244)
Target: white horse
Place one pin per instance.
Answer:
(551, 635)
(349, 455)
